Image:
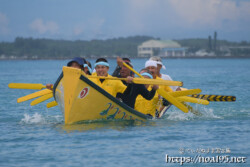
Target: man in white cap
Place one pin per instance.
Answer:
(151, 107)
(152, 67)
(158, 69)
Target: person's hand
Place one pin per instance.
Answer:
(119, 61)
(155, 87)
(49, 86)
(129, 79)
(178, 89)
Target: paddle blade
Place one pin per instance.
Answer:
(26, 86)
(192, 110)
(172, 100)
(185, 92)
(52, 104)
(215, 97)
(41, 99)
(33, 95)
(192, 100)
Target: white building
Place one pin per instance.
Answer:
(166, 48)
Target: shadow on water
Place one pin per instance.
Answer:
(120, 125)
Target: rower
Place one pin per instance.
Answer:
(133, 90)
(76, 62)
(87, 68)
(163, 76)
(143, 105)
(152, 67)
(111, 86)
(123, 72)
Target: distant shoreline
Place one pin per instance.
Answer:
(189, 57)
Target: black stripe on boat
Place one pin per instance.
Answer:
(56, 84)
(102, 91)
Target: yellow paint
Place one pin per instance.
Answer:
(93, 106)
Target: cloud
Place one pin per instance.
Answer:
(92, 28)
(147, 15)
(44, 27)
(4, 24)
(78, 30)
(210, 12)
(139, 14)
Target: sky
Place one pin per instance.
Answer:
(105, 19)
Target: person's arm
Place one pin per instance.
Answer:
(145, 93)
(127, 90)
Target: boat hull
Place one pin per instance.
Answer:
(82, 100)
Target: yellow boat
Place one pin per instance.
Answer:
(82, 100)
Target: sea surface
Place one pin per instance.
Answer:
(37, 136)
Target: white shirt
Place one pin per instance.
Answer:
(167, 77)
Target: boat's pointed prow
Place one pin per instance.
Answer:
(71, 78)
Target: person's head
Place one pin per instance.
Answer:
(76, 62)
(159, 63)
(146, 74)
(125, 72)
(88, 68)
(102, 67)
(152, 67)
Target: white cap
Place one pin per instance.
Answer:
(150, 63)
(158, 60)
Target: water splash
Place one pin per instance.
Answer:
(33, 119)
(41, 119)
(203, 113)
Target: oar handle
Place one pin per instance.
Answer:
(111, 78)
(144, 81)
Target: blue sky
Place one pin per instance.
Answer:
(104, 19)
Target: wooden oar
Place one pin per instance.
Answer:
(52, 104)
(185, 92)
(163, 93)
(33, 95)
(172, 100)
(215, 97)
(41, 99)
(145, 81)
(26, 86)
(192, 100)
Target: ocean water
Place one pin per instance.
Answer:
(37, 136)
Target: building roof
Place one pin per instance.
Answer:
(161, 44)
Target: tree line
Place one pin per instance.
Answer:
(29, 48)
